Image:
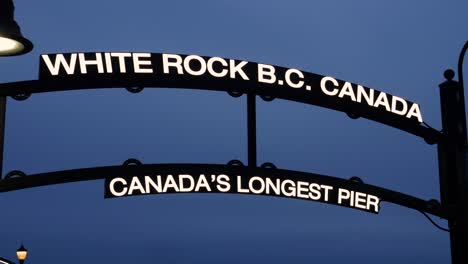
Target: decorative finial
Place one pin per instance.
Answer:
(449, 74)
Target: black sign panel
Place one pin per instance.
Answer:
(130, 69)
(292, 184)
(306, 188)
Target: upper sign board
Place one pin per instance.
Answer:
(130, 69)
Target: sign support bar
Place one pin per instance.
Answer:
(3, 101)
(251, 130)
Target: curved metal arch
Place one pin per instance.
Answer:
(6, 261)
(16, 89)
(310, 93)
(97, 173)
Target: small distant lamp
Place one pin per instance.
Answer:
(12, 42)
(22, 253)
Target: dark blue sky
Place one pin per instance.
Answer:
(400, 47)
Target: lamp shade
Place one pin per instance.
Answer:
(12, 42)
(22, 253)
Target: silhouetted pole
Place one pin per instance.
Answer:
(2, 131)
(453, 156)
(251, 130)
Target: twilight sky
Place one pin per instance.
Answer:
(400, 47)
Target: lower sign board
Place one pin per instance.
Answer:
(275, 185)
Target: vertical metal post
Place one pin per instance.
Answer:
(251, 130)
(2, 131)
(452, 172)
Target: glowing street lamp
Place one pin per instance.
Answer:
(22, 253)
(12, 42)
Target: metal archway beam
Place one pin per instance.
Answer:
(6, 261)
(233, 76)
(36, 86)
(109, 172)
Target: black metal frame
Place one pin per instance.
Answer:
(451, 142)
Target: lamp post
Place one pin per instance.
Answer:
(453, 160)
(21, 253)
(12, 42)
